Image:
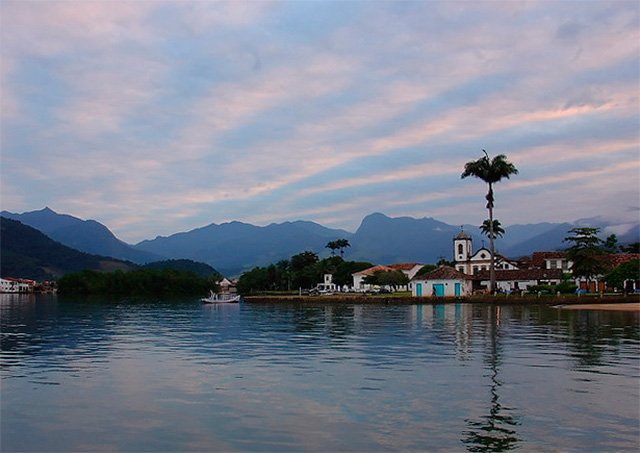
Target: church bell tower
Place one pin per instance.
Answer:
(462, 249)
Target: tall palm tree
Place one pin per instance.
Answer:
(490, 171)
(498, 231)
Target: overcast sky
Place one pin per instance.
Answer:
(157, 117)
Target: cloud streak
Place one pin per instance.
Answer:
(156, 117)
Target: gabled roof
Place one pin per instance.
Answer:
(373, 270)
(444, 273)
(521, 274)
(404, 266)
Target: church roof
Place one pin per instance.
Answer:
(462, 235)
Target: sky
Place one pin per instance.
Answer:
(155, 117)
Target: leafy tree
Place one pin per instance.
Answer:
(344, 272)
(284, 274)
(611, 244)
(490, 171)
(254, 280)
(304, 272)
(627, 271)
(497, 229)
(585, 252)
(387, 278)
(302, 260)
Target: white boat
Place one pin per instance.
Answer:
(215, 298)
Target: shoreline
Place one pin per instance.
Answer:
(618, 303)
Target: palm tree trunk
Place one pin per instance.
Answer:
(492, 268)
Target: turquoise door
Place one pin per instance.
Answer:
(438, 289)
(457, 289)
(419, 289)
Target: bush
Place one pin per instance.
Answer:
(562, 288)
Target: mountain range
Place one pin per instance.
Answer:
(29, 253)
(236, 246)
(85, 235)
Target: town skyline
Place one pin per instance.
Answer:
(159, 117)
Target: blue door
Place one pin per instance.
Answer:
(438, 289)
(419, 289)
(456, 288)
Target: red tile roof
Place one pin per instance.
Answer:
(404, 266)
(444, 273)
(374, 269)
(616, 259)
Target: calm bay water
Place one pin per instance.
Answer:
(98, 375)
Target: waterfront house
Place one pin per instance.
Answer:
(358, 277)
(16, 285)
(541, 268)
(408, 269)
(444, 281)
(515, 280)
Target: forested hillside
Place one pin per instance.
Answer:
(28, 253)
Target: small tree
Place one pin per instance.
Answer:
(387, 278)
(611, 244)
(627, 271)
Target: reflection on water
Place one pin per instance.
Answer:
(94, 374)
(496, 430)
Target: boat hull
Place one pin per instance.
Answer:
(216, 299)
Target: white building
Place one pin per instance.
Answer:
(444, 281)
(358, 277)
(471, 263)
(15, 285)
(327, 284)
(516, 280)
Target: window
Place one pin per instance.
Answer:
(475, 270)
(460, 249)
(461, 268)
(482, 255)
(554, 264)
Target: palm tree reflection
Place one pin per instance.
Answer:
(495, 431)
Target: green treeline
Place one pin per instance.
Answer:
(304, 270)
(136, 282)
